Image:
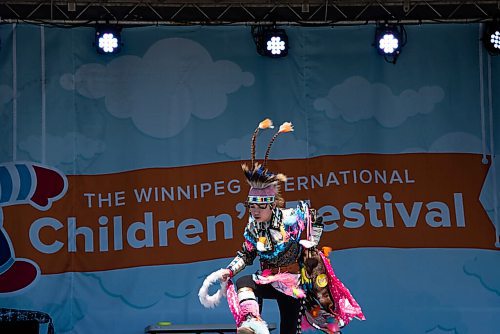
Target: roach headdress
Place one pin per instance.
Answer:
(264, 185)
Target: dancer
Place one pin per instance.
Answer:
(293, 271)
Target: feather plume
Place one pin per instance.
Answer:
(266, 124)
(286, 127)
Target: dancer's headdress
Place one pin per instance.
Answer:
(264, 185)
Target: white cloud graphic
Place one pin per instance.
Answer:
(455, 142)
(286, 146)
(183, 282)
(68, 313)
(357, 99)
(460, 142)
(413, 285)
(6, 94)
(175, 79)
(62, 149)
(483, 268)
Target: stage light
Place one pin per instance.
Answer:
(276, 43)
(491, 37)
(270, 42)
(108, 39)
(389, 41)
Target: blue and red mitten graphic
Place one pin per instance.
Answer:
(24, 183)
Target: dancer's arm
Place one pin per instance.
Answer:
(243, 258)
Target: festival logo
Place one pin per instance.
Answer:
(161, 216)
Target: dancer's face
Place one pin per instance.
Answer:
(261, 212)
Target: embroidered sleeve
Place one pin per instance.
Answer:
(244, 258)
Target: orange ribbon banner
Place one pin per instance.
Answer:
(186, 214)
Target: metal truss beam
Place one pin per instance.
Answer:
(250, 12)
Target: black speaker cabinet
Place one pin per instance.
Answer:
(19, 327)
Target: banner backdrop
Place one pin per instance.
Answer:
(121, 186)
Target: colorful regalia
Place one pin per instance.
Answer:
(287, 247)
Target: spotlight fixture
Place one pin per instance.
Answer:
(270, 42)
(491, 37)
(389, 41)
(108, 39)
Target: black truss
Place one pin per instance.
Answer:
(295, 12)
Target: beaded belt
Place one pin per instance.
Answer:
(291, 268)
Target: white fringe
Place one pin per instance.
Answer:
(258, 326)
(307, 243)
(211, 301)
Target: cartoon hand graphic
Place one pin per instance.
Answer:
(31, 183)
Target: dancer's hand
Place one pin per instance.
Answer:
(225, 275)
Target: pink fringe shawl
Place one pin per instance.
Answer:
(232, 301)
(346, 307)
